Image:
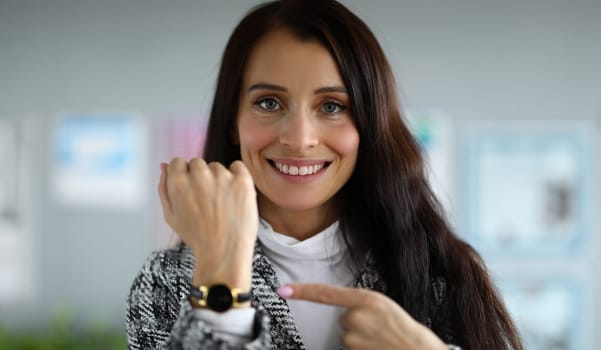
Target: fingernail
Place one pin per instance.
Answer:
(284, 292)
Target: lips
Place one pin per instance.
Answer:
(299, 168)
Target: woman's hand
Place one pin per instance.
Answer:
(371, 320)
(214, 211)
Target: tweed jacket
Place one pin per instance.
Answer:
(159, 315)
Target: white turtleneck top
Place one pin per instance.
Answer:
(319, 259)
(322, 258)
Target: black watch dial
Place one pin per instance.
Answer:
(219, 298)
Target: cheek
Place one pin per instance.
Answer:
(253, 137)
(345, 141)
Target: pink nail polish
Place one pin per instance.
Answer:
(284, 292)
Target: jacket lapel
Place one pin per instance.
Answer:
(368, 278)
(284, 333)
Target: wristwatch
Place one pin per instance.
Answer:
(218, 297)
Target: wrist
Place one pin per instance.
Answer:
(239, 277)
(232, 283)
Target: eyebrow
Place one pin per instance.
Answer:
(266, 86)
(340, 89)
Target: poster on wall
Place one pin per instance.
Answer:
(177, 135)
(180, 135)
(527, 187)
(433, 129)
(549, 312)
(99, 160)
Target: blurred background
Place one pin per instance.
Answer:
(505, 97)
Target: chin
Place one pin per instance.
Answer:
(297, 204)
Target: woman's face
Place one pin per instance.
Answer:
(295, 130)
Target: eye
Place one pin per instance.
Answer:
(268, 104)
(332, 107)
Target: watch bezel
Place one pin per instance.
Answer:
(218, 297)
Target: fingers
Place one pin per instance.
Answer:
(180, 164)
(371, 320)
(163, 190)
(197, 164)
(204, 174)
(238, 168)
(324, 294)
(179, 174)
(353, 319)
(242, 174)
(177, 165)
(354, 341)
(217, 167)
(179, 170)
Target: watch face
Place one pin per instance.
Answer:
(219, 298)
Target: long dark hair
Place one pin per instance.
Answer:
(386, 210)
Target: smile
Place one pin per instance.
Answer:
(298, 169)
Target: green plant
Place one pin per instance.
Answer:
(64, 334)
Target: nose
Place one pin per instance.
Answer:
(299, 131)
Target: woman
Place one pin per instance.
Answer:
(305, 111)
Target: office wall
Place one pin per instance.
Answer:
(514, 59)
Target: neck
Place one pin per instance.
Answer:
(300, 224)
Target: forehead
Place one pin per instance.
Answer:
(281, 55)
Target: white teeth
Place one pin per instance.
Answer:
(299, 170)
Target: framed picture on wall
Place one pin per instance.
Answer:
(99, 160)
(550, 312)
(527, 187)
(434, 130)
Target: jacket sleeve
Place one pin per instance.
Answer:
(159, 316)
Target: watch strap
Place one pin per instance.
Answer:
(239, 297)
(201, 296)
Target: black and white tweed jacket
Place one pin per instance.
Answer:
(159, 315)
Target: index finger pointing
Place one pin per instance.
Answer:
(324, 294)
